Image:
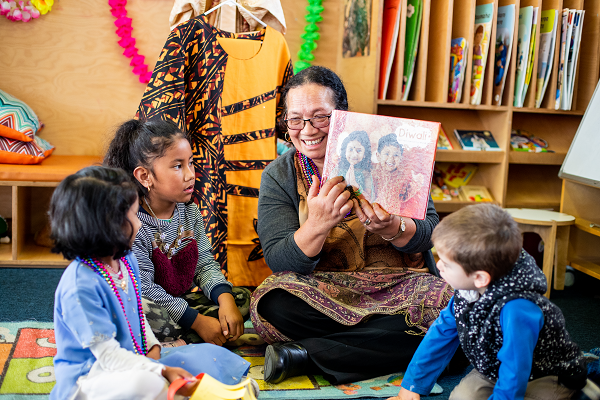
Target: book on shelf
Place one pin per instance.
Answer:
(505, 27)
(561, 61)
(474, 193)
(458, 63)
(525, 141)
(389, 40)
(443, 142)
(564, 98)
(455, 174)
(390, 160)
(531, 57)
(476, 140)
(414, 15)
(573, 55)
(546, 53)
(483, 28)
(524, 38)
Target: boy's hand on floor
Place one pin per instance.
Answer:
(173, 373)
(230, 318)
(209, 329)
(406, 395)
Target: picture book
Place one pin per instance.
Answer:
(524, 141)
(524, 37)
(531, 56)
(458, 63)
(573, 55)
(443, 142)
(390, 160)
(414, 15)
(561, 61)
(564, 97)
(546, 53)
(476, 140)
(456, 174)
(389, 40)
(483, 28)
(505, 28)
(474, 193)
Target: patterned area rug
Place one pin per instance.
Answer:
(26, 370)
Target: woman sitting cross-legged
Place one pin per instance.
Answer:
(352, 292)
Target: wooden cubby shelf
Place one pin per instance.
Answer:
(515, 179)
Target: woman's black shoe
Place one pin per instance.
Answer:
(284, 360)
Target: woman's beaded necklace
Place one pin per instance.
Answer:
(309, 169)
(99, 268)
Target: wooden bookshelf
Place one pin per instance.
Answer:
(515, 179)
(581, 201)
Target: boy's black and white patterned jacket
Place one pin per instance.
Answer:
(480, 333)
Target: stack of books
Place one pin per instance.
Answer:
(389, 42)
(570, 40)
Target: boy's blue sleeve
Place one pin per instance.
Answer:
(433, 354)
(521, 322)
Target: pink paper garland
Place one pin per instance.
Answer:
(127, 41)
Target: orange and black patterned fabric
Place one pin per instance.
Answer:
(224, 89)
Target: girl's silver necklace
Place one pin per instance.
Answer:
(160, 237)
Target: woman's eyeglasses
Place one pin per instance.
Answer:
(320, 121)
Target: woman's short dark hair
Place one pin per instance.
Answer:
(137, 143)
(321, 76)
(363, 138)
(88, 213)
(389, 140)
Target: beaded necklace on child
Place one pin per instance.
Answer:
(99, 268)
(160, 237)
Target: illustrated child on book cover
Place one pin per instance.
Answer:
(392, 182)
(355, 162)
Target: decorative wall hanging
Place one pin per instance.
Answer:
(127, 41)
(24, 11)
(310, 35)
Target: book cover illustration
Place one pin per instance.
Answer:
(504, 39)
(531, 57)
(525, 22)
(458, 61)
(389, 39)
(456, 174)
(573, 55)
(414, 13)
(474, 193)
(546, 53)
(476, 140)
(483, 27)
(525, 141)
(443, 142)
(356, 37)
(390, 160)
(562, 56)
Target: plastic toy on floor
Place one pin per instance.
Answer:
(211, 389)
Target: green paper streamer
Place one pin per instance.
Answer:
(310, 35)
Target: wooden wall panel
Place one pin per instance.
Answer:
(68, 66)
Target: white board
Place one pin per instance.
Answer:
(582, 162)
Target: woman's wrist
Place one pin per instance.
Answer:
(399, 232)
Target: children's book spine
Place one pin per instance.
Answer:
(531, 54)
(546, 53)
(413, 30)
(484, 15)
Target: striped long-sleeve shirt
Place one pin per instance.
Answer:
(208, 275)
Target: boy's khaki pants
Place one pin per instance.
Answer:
(476, 386)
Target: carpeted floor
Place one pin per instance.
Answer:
(28, 295)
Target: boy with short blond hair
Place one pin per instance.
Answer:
(513, 336)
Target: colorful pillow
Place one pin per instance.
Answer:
(17, 119)
(17, 152)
